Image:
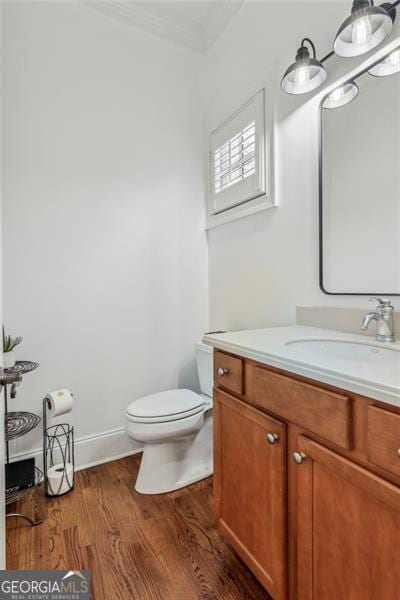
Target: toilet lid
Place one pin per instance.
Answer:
(168, 405)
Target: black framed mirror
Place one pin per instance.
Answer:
(359, 184)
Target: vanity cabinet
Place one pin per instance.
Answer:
(250, 487)
(307, 484)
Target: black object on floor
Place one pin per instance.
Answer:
(20, 475)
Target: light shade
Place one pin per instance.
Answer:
(341, 95)
(304, 75)
(365, 29)
(388, 66)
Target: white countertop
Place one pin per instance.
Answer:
(380, 380)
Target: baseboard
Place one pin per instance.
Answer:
(92, 450)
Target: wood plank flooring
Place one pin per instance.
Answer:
(137, 547)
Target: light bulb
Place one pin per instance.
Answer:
(302, 76)
(337, 94)
(362, 31)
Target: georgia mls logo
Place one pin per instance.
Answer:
(45, 585)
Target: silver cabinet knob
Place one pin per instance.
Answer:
(298, 457)
(398, 452)
(222, 371)
(272, 438)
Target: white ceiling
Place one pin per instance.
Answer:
(194, 24)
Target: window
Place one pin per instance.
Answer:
(235, 160)
(238, 164)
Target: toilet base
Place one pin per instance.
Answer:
(145, 488)
(171, 465)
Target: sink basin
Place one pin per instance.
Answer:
(345, 350)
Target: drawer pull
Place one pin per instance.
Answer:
(272, 438)
(398, 452)
(298, 457)
(222, 371)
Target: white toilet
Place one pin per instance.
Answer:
(175, 428)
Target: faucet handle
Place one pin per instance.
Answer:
(383, 303)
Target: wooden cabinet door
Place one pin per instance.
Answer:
(348, 529)
(249, 488)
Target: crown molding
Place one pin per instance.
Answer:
(190, 35)
(222, 15)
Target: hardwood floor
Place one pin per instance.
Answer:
(136, 547)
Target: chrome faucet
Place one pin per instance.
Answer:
(383, 315)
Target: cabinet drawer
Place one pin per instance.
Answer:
(383, 439)
(228, 372)
(326, 414)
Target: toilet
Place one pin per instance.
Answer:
(175, 428)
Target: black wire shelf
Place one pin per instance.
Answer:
(22, 366)
(21, 475)
(19, 423)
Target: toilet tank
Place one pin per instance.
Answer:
(204, 360)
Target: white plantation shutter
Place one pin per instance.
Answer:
(235, 160)
(238, 157)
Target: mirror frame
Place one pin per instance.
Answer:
(320, 192)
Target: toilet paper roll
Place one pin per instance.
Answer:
(60, 479)
(60, 401)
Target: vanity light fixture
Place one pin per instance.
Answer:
(366, 27)
(388, 66)
(341, 95)
(306, 73)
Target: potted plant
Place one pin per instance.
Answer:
(9, 344)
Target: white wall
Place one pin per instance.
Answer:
(105, 268)
(264, 265)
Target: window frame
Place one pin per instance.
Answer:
(240, 199)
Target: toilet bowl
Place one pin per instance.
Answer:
(175, 428)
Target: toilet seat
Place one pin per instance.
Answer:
(171, 405)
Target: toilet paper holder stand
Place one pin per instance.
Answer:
(58, 451)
